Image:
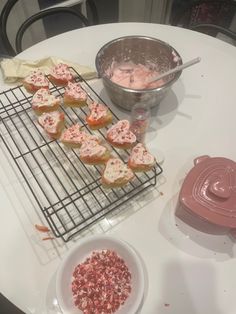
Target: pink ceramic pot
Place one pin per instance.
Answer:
(209, 191)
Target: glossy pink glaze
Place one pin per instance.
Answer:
(209, 190)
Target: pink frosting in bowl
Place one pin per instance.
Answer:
(135, 76)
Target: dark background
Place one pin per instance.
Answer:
(107, 11)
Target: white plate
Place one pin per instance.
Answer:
(80, 252)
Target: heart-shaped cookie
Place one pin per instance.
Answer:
(119, 135)
(99, 116)
(60, 74)
(116, 173)
(75, 137)
(75, 95)
(140, 159)
(43, 101)
(52, 123)
(34, 81)
(93, 153)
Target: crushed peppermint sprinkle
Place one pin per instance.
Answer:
(101, 284)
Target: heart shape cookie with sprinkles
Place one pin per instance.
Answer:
(75, 137)
(140, 159)
(116, 173)
(99, 116)
(75, 95)
(93, 153)
(120, 136)
(60, 74)
(52, 123)
(34, 81)
(44, 101)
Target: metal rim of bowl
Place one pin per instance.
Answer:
(171, 82)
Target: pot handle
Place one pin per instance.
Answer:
(200, 159)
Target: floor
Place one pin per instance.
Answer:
(8, 308)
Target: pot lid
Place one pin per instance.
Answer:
(209, 190)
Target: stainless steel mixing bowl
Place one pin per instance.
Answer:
(139, 50)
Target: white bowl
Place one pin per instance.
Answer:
(83, 249)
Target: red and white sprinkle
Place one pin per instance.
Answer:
(101, 284)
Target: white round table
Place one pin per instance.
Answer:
(189, 271)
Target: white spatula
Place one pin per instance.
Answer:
(176, 69)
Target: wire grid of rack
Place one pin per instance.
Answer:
(67, 191)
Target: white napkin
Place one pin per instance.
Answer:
(14, 70)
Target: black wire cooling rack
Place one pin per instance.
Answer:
(67, 191)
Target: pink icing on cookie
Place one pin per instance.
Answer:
(75, 135)
(97, 111)
(92, 148)
(120, 133)
(37, 78)
(61, 71)
(116, 169)
(140, 156)
(50, 120)
(74, 90)
(43, 98)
